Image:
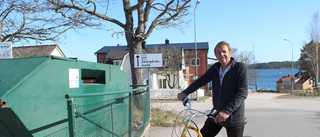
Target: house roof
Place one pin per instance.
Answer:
(185, 46)
(35, 51)
(302, 80)
(116, 54)
(286, 78)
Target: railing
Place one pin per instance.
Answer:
(114, 114)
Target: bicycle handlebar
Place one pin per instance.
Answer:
(211, 114)
(185, 101)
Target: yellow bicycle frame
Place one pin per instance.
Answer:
(190, 127)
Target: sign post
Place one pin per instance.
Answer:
(148, 61)
(5, 50)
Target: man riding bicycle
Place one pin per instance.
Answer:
(229, 91)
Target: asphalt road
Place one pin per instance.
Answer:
(268, 116)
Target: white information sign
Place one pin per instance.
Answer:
(73, 78)
(148, 60)
(5, 50)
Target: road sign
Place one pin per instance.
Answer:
(5, 50)
(148, 60)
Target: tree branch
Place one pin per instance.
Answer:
(60, 6)
(177, 15)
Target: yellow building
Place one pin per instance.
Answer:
(299, 83)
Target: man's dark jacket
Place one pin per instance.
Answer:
(230, 96)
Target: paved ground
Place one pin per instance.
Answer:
(268, 116)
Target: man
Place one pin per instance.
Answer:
(229, 90)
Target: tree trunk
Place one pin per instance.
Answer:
(135, 48)
(317, 65)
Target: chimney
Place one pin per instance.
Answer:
(167, 42)
(143, 45)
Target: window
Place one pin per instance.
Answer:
(193, 62)
(117, 62)
(162, 84)
(90, 76)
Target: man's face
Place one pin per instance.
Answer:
(223, 55)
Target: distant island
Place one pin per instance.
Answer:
(275, 65)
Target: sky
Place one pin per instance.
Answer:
(257, 26)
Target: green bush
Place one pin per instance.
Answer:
(268, 91)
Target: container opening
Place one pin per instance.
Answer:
(90, 76)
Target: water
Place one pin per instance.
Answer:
(269, 77)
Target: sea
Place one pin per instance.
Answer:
(268, 77)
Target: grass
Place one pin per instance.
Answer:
(164, 118)
(268, 91)
(159, 117)
(204, 97)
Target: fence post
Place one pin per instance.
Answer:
(71, 117)
(130, 114)
(147, 108)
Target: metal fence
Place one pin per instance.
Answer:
(111, 114)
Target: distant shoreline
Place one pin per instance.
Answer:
(266, 78)
(276, 65)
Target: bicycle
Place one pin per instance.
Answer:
(187, 124)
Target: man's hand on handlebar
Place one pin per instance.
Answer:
(181, 96)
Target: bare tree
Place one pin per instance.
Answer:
(247, 58)
(315, 37)
(22, 21)
(308, 58)
(172, 64)
(135, 27)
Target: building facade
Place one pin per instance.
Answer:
(299, 83)
(189, 63)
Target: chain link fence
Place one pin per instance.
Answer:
(114, 114)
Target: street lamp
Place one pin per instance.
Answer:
(195, 45)
(291, 67)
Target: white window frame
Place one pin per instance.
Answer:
(162, 83)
